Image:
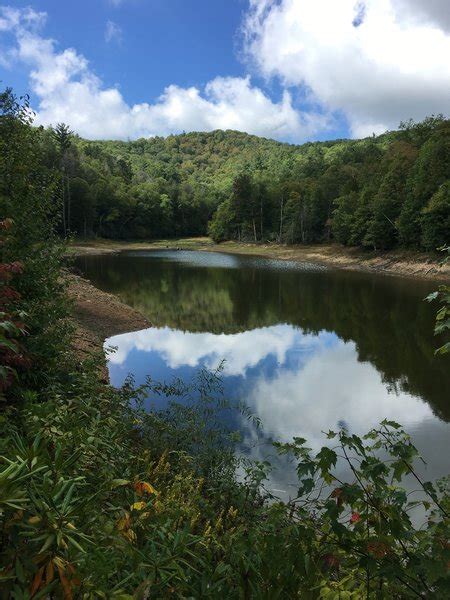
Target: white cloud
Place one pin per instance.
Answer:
(240, 351)
(69, 91)
(378, 61)
(11, 18)
(113, 32)
(435, 12)
(332, 389)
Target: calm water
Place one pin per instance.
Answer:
(307, 348)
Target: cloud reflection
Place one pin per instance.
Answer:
(297, 384)
(332, 390)
(241, 351)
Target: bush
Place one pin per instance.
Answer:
(29, 209)
(100, 499)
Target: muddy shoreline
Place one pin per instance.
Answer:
(96, 316)
(397, 262)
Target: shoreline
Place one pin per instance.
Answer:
(403, 263)
(96, 316)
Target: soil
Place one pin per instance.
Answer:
(98, 315)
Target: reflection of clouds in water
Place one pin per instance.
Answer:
(241, 351)
(332, 389)
(315, 383)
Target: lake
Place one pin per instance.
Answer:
(307, 348)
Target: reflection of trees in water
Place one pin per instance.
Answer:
(385, 317)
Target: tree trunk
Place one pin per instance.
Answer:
(281, 219)
(68, 204)
(64, 204)
(261, 217)
(100, 225)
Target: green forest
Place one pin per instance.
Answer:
(377, 193)
(101, 499)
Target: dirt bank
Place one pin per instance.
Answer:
(397, 262)
(98, 315)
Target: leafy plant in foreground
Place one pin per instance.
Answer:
(103, 500)
(363, 519)
(442, 326)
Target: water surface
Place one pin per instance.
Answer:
(306, 347)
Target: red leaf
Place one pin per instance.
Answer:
(330, 561)
(37, 581)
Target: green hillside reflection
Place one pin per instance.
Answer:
(384, 316)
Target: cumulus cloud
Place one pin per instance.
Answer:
(378, 61)
(113, 32)
(241, 351)
(332, 389)
(11, 18)
(68, 90)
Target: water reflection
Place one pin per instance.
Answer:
(239, 351)
(209, 293)
(297, 384)
(308, 349)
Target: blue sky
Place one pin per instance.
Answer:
(162, 41)
(294, 70)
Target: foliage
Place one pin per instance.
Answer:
(29, 209)
(436, 219)
(12, 354)
(101, 499)
(442, 326)
(377, 193)
(221, 226)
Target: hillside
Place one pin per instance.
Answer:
(378, 192)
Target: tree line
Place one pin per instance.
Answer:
(376, 193)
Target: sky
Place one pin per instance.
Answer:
(291, 70)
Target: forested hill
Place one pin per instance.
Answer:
(378, 192)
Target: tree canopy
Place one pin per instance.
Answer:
(377, 193)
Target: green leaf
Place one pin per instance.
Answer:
(327, 458)
(119, 482)
(392, 424)
(307, 485)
